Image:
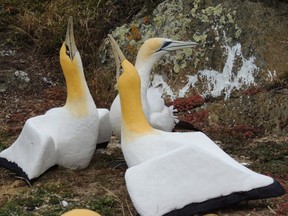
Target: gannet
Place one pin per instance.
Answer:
(64, 136)
(81, 212)
(160, 116)
(178, 173)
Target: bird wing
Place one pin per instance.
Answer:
(32, 153)
(105, 128)
(115, 117)
(191, 181)
(161, 117)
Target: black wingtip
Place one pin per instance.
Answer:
(19, 171)
(102, 145)
(14, 167)
(272, 190)
(185, 125)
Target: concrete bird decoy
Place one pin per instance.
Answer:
(64, 136)
(105, 128)
(81, 212)
(178, 173)
(160, 116)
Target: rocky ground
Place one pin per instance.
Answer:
(101, 186)
(251, 126)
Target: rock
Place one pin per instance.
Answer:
(7, 53)
(64, 203)
(21, 79)
(239, 60)
(21, 75)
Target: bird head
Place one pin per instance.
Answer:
(69, 55)
(81, 212)
(154, 48)
(126, 74)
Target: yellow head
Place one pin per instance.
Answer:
(81, 212)
(71, 64)
(154, 48)
(134, 122)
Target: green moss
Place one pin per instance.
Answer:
(215, 11)
(238, 33)
(103, 205)
(200, 38)
(230, 18)
(53, 200)
(12, 208)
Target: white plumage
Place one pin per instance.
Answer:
(178, 173)
(65, 136)
(159, 115)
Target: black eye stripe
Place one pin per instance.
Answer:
(166, 43)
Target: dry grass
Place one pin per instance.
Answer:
(41, 26)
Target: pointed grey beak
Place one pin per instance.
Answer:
(69, 40)
(175, 45)
(118, 55)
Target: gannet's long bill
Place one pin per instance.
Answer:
(65, 136)
(178, 173)
(160, 116)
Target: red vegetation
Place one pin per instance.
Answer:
(239, 131)
(253, 90)
(197, 117)
(246, 131)
(185, 104)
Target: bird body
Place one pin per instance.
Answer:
(105, 128)
(65, 136)
(159, 115)
(178, 173)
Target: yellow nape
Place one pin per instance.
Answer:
(133, 118)
(151, 46)
(81, 212)
(75, 82)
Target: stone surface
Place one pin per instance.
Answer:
(241, 60)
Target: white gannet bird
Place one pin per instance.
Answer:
(178, 173)
(160, 116)
(64, 136)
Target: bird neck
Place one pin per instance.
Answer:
(144, 69)
(134, 121)
(79, 98)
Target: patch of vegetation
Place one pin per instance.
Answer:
(103, 205)
(45, 200)
(270, 157)
(11, 209)
(41, 201)
(41, 26)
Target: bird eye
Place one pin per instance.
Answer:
(165, 44)
(67, 50)
(120, 71)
